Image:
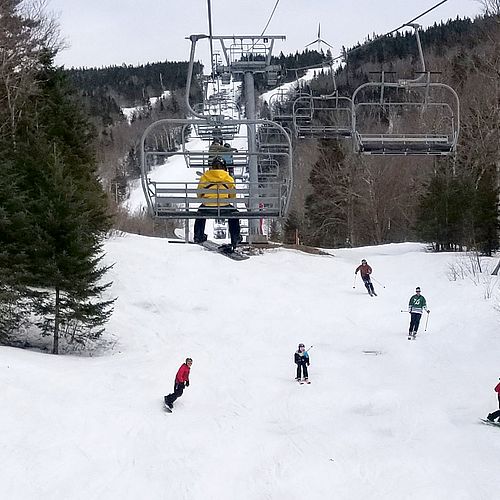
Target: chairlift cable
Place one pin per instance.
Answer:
(210, 37)
(270, 17)
(267, 24)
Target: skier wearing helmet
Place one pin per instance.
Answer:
(302, 361)
(216, 189)
(365, 270)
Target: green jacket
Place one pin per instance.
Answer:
(417, 304)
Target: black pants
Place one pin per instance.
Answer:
(368, 284)
(178, 390)
(217, 213)
(414, 322)
(302, 367)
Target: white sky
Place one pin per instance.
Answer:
(112, 32)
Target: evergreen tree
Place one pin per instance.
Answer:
(14, 234)
(67, 212)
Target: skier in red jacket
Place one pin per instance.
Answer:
(496, 414)
(365, 270)
(181, 381)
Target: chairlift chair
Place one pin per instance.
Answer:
(405, 118)
(265, 197)
(323, 117)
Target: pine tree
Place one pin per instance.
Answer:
(14, 234)
(67, 211)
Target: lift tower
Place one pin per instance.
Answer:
(245, 56)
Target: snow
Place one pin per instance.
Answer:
(401, 424)
(286, 87)
(129, 113)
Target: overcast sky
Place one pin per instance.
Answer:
(112, 32)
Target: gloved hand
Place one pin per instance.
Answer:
(308, 363)
(187, 383)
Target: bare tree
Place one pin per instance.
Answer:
(26, 34)
(490, 7)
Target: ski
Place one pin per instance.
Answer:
(223, 250)
(303, 382)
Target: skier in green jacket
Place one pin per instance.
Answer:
(416, 307)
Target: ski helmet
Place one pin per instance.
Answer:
(219, 162)
(188, 360)
(301, 345)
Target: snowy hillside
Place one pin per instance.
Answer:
(401, 422)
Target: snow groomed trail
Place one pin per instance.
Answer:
(398, 422)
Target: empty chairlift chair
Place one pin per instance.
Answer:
(405, 118)
(322, 117)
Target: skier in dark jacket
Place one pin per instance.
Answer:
(181, 381)
(365, 270)
(302, 361)
(496, 414)
(416, 307)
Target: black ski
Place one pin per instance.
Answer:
(224, 250)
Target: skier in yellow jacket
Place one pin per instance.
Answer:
(215, 188)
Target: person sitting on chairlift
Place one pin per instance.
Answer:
(214, 187)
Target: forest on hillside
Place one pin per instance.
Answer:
(342, 198)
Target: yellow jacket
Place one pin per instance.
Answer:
(218, 182)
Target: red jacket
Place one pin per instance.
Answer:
(497, 388)
(365, 270)
(182, 374)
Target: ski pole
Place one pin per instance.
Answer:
(404, 311)
(426, 321)
(309, 348)
(354, 284)
(376, 281)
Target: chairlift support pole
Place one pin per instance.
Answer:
(253, 225)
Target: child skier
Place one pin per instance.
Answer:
(496, 414)
(302, 361)
(181, 381)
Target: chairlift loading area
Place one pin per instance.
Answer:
(401, 117)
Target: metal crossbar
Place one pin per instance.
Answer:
(183, 200)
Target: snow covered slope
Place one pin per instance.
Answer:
(400, 424)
